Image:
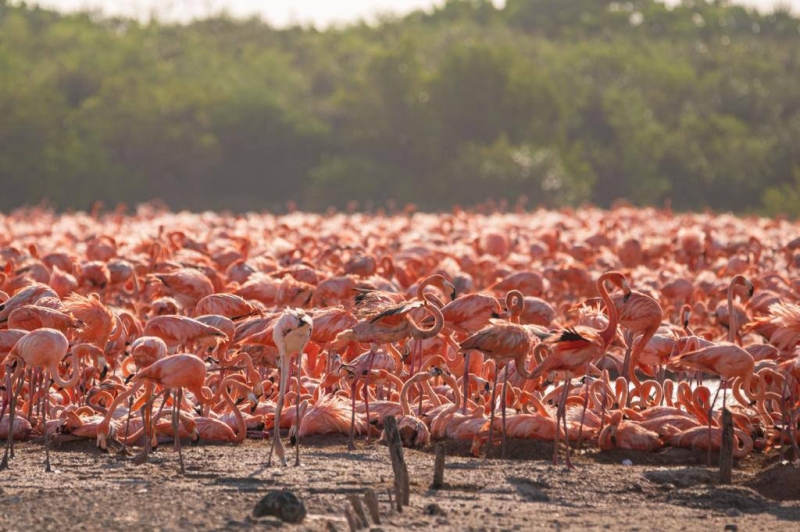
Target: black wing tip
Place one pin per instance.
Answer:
(570, 335)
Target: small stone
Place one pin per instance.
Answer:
(282, 504)
(732, 528)
(433, 509)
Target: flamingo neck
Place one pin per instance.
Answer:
(436, 328)
(731, 314)
(241, 427)
(76, 373)
(404, 392)
(610, 331)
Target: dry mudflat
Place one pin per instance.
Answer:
(667, 490)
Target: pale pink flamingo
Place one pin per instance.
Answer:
(291, 334)
(42, 348)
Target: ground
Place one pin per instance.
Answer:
(667, 490)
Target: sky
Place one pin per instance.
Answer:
(284, 12)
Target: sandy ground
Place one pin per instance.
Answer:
(668, 490)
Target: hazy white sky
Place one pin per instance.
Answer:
(282, 12)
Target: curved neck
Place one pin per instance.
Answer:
(738, 280)
(438, 323)
(515, 303)
(451, 381)
(406, 388)
(76, 373)
(241, 427)
(539, 353)
(610, 331)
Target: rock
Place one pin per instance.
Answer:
(732, 528)
(433, 509)
(282, 504)
(681, 478)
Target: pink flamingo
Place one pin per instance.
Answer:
(42, 348)
(291, 334)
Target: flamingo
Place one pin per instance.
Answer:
(42, 348)
(571, 350)
(620, 434)
(502, 342)
(292, 332)
(187, 285)
(176, 372)
(177, 331)
(641, 315)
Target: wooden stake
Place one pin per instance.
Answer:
(351, 520)
(398, 462)
(438, 467)
(371, 500)
(726, 449)
(358, 508)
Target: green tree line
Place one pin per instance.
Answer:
(557, 101)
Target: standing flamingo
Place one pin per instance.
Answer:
(176, 372)
(291, 334)
(571, 350)
(42, 348)
(641, 315)
(502, 342)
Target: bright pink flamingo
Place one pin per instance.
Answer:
(571, 350)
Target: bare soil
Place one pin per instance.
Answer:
(667, 490)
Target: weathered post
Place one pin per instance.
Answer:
(398, 462)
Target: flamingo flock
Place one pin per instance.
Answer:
(613, 329)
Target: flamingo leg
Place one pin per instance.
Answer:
(563, 407)
(297, 411)
(491, 418)
(585, 406)
(466, 383)
(626, 363)
(11, 411)
(503, 411)
(45, 395)
(127, 424)
(710, 416)
(176, 409)
(277, 445)
(366, 391)
(351, 443)
(34, 376)
(142, 457)
(603, 409)
(166, 393)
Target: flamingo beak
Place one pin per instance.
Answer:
(452, 288)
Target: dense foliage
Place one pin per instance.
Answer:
(558, 101)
